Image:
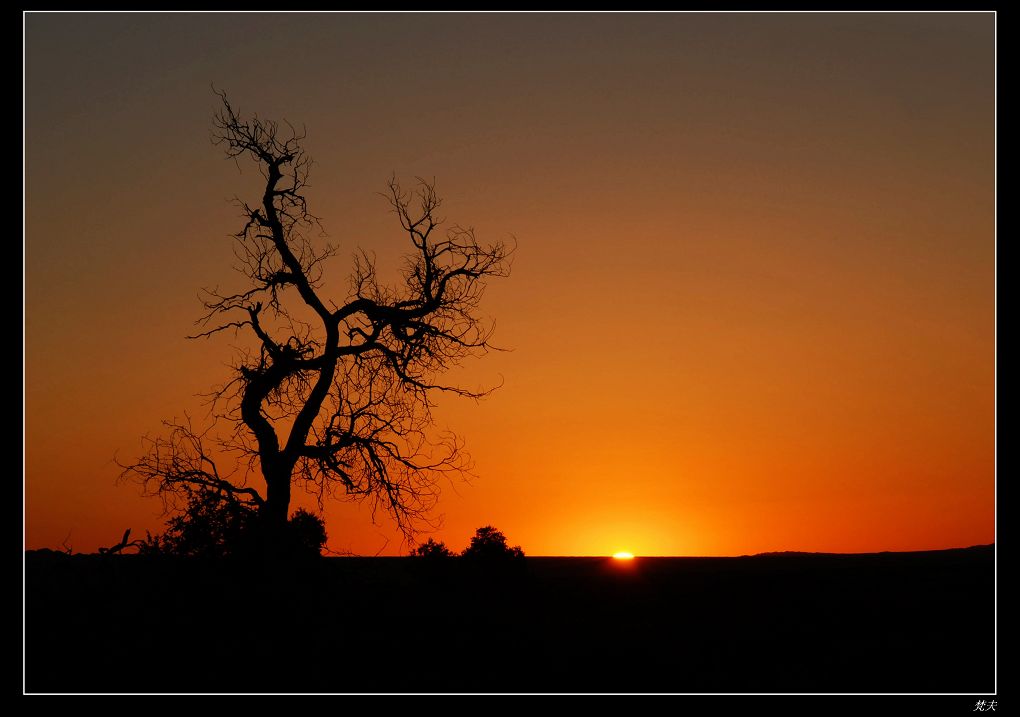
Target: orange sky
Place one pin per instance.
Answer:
(752, 307)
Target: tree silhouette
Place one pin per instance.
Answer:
(432, 549)
(490, 544)
(335, 397)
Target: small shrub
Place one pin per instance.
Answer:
(432, 549)
(490, 544)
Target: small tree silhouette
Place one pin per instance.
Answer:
(432, 549)
(306, 534)
(490, 544)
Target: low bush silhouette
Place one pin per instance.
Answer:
(212, 525)
(490, 544)
(432, 549)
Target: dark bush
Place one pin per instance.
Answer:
(432, 549)
(213, 525)
(490, 544)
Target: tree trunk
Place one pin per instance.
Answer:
(277, 503)
(275, 511)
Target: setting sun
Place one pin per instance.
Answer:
(623, 555)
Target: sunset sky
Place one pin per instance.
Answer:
(752, 306)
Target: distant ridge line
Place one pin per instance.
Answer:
(880, 552)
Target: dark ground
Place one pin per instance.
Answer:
(890, 622)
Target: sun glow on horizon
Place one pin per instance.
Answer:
(623, 555)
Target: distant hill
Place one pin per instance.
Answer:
(780, 553)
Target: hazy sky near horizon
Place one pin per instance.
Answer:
(752, 306)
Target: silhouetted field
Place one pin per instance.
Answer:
(890, 622)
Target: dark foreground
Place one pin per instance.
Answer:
(892, 622)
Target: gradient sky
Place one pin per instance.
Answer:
(752, 307)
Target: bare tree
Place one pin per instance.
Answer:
(333, 397)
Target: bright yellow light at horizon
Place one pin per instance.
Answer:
(623, 555)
